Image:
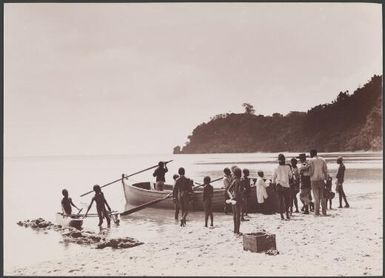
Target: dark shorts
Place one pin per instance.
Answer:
(305, 182)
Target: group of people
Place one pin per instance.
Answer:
(102, 207)
(308, 177)
(304, 176)
(311, 177)
(183, 193)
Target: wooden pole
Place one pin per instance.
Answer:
(145, 205)
(201, 184)
(133, 174)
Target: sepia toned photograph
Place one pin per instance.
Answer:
(193, 139)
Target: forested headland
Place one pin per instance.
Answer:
(351, 122)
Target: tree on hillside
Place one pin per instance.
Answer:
(350, 122)
(249, 109)
(342, 96)
(177, 150)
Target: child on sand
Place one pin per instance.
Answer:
(208, 192)
(66, 203)
(101, 204)
(328, 192)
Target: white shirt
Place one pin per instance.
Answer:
(261, 190)
(318, 169)
(282, 174)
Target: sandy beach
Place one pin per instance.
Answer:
(348, 242)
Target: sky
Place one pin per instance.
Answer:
(96, 79)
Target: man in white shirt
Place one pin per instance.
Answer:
(318, 174)
(282, 175)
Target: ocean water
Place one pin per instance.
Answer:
(32, 189)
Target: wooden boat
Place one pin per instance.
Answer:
(143, 192)
(69, 221)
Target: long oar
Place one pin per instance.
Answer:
(96, 215)
(145, 205)
(201, 184)
(141, 171)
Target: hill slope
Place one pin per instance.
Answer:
(351, 122)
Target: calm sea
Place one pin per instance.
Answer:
(32, 188)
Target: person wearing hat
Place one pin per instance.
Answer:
(340, 180)
(318, 175)
(305, 195)
(235, 191)
(159, 173)
(281, 177)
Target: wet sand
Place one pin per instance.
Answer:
(348, 242)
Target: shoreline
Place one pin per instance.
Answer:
(307, 245)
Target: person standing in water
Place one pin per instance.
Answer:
(281, 177)
(235, 192)
(208, 192)
(66, 203)
(101, 204)
(340, 180)
(160, 173)
(227, 179)
(183, 190)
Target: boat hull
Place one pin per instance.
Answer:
(140, 193)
